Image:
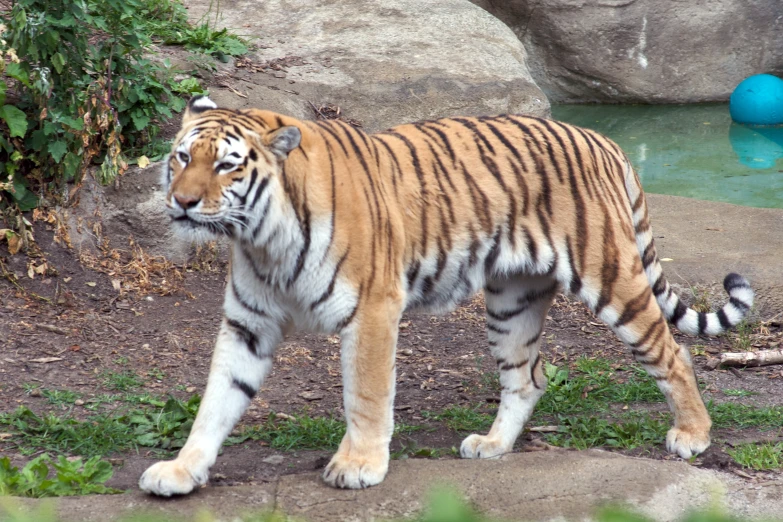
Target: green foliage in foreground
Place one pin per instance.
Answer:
(70, 477)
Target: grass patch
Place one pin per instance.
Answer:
(69, 477)
(296, 432)
(764, 456)
(593, 386)
(162, 425)
(729, 415)
(582, 432)
(462, 418)
(739, 393)
(121, 381)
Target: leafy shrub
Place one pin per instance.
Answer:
(71, 477)
(77, 88)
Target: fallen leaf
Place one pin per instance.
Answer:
(115, 283)
(75, 348)
(91, 283)
(143, 162)
(4, 436)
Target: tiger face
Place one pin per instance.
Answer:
(216, 173)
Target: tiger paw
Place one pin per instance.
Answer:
(349, 472)
(170, 478)
(686, 443)
(482, 447)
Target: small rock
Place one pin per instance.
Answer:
(279, 74)
(190, 389)
(35, 393)
(274, 460)
(78, 402)
(312, 395)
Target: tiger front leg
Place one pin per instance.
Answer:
(368, 351)
(240, 363)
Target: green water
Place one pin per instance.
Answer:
(692, 150)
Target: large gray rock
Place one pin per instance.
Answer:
(385, 62)
(650, 51)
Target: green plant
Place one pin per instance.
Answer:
(758, 456)
(166, 22)
(462, 418)
(71, 477)
(167, 428)
(729, 415)
(120, 381)
(739, 393)
(584, 432)
(741, 337)
(297, 432)
(85, 88)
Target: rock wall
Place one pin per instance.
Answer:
(649, 51)
(385, 62)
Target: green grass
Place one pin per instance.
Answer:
(462, 418)
(593, 387)
(730, 415)
(739, 393)
(765, 456)
(157, 424)
(627, 432)
(121, 381)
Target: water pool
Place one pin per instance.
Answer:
(692, 150)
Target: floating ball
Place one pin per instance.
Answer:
(758, 100)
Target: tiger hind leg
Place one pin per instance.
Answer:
(516, 311)
(636, 318)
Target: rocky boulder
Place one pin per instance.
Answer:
(662, 51)
(384, 62)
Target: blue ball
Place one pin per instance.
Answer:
(758, 100)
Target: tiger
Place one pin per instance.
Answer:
(339, 231)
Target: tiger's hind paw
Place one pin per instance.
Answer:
(686, 444)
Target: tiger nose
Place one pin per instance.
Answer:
(186, 202)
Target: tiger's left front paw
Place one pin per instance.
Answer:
(356, 472)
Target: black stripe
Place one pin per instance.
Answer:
(247, 336)
(505, 366)
(660, 286)
(247, 306)
(533, 371)
(492, 290)
(300, 259)
(740, 305)
(497, 329)
(702, 322)
(633, 308)
(330, 288)
(724, 320)
(244, 387)
(679, 313)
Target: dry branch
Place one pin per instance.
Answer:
(760, 358)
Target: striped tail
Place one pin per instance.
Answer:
(686, 319)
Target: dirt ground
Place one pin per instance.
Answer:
(67, 326)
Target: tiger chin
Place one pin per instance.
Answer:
(339, 231)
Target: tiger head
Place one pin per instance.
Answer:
(223, 169)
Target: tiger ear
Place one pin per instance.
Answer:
(283, 140)
(196, 106)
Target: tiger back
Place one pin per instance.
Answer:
(340, 231)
